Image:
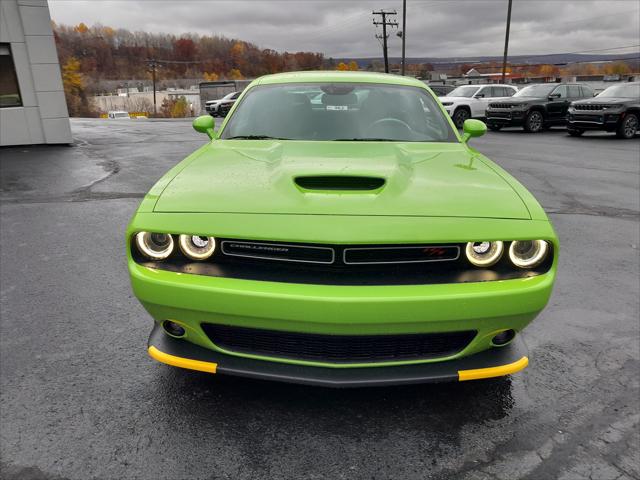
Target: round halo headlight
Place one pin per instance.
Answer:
(196, 247)
(156, 246)
(528, 253)
(484, 254)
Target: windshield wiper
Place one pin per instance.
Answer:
(255, 137)
(365, 140)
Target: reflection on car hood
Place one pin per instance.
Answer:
(520, 100)
(247, 176)
(453, 99)
(606, 100)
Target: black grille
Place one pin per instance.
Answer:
(590, 107)
(279, 251)
(412, 254)
(501, 105)
(337, 348)
(587, 118)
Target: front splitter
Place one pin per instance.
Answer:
(494, 362)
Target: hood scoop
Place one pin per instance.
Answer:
(339, 183)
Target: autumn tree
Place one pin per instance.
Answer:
(342, 66)
(107, 53)
(234, 74)
(210, 77)
(353, 65)
(74, 89)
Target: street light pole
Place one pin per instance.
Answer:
(506, 43)
(404, 31)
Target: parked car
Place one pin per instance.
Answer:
(118, 114)
(213, 106)
(616, 109)
(224, 107)
(536, 107)
(364, 243)
(470, 101)
(441, 90)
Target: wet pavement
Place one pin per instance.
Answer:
(80, 398)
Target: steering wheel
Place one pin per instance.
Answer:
(393, 123)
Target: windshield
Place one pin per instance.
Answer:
(466, 91)
(339, 111)
(536, 91)
(622, 91)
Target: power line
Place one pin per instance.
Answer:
(384, 22)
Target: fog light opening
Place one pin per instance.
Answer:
(503, 338)
(173, 329)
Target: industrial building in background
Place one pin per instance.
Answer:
(33, 109)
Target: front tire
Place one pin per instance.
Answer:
(534, 122)
(574, 132)
(460, 115)
(628, 127)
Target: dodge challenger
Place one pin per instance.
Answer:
(338, 230)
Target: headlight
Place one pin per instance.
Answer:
(519, 106)
(156, 246)
(196, 247)
(447, 104)
(484, 254)
(528, 253)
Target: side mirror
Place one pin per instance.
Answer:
(205, 124)
(553, 96)
(479, 95)
(473, 128)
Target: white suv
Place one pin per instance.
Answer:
(470, 101)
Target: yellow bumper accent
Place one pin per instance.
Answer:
(182, 362)
(493, 371)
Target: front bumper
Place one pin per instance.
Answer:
(486, 307)
(495, 362)
(594, 121)
(506, 118)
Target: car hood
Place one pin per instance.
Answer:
(604, 101)
(454, 99)
(522, 100)
(420, 179)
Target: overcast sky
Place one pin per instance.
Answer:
(343, 28)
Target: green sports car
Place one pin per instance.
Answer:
(338, 230)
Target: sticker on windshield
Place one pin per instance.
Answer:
(337, 107)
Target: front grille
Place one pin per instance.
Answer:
(224, 108)
(587, 118)
(337, 348)
(279, 251)
(413, 254)
(339, 255)
(590, 107)
(505, 115)
(501, 105)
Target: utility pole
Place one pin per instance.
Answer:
(506, 43)
(404, 31)
(392, 23)
(153, 63)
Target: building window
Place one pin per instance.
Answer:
(9, 91)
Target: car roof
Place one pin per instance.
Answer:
(337, 76)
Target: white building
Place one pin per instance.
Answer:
(32, 104)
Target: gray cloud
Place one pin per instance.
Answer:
(437, 28)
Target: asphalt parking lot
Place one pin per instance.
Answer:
(80, 398)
